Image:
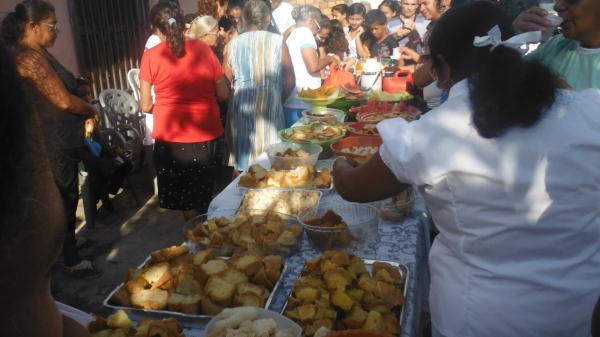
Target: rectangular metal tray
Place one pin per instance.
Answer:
(163, 313)
(404, 271)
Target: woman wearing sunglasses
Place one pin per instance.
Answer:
(574, 54)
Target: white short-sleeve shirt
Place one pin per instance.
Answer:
(301, 38)
(518, 252)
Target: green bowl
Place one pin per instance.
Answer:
(345, 104)
(321, 102)
(325, 144)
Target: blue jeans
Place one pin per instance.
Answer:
(292, 116)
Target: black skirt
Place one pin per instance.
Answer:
(186, 174)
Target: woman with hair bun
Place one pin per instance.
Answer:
(305, 59)
(188, 81)
(508, 168)
(258, 64)
(206, 29)
(30, 30)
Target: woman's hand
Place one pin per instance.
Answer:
(531, 20)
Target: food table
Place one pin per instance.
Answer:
(406, 242)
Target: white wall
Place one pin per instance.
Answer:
(64, 47)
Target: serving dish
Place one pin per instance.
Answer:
(301, 177)
(324, 115)
(287, 156)
(363, 129)
(340, 291)
(186, 277)
(262, 231)
(282, 322)
(315, 133)
(286, 201)
(359, 148)
(342, 225)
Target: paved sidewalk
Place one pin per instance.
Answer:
(121, 240)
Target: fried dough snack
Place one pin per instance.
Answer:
(119, 325)
(263, 232)
(319, 93)
(200, 283)
(305, 177)
(336, 291)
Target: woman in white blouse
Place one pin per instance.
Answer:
(509, 169)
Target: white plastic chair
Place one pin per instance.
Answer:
(123, 115)
(133, 79)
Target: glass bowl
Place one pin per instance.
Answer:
(361, 230)
(324, 115)
(290, 163)
(400, 207)
(229, 231)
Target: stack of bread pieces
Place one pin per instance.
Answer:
(336, 291)
(119, 325)
(200, 283)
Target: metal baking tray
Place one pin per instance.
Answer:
(404, 271)
(163, 313)
(286, 190)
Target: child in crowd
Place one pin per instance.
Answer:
(106, 168)
(356, 19)
(335, 44)
(339, 12)
(383, 43)
(391, 9)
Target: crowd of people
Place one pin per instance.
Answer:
(505, 159)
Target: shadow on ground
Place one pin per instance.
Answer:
(121, 240)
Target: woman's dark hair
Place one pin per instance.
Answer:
(340, 8)
(207, 7)
(13, 25)
(226, 23)
(255, 13)
(168, 19)
(336, 23)
(357, 8)
(336, 42)
(391, 4)
(505, 89)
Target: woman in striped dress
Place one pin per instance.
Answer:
(259, 66)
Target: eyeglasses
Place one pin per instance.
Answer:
(54, 27)
(318, 26)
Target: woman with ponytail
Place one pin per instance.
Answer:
(508, 168)
(188, 82)
(30, 30)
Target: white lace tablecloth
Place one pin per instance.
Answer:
(404, 242)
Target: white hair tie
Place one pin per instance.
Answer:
(494, 39)
(171, 21)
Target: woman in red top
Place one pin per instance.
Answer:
(188, 81)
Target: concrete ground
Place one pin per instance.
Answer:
(121, 240)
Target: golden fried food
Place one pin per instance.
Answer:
(291, 153)
(203, 284)
(319, 93)
(261, 232)
(336, 291)
(119, 325)
(315, 132)
(305, 177)
(286, 202)
(337, 235)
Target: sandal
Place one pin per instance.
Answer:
(83, 270)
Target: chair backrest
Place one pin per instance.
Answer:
(133, 79)
(120, 108)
